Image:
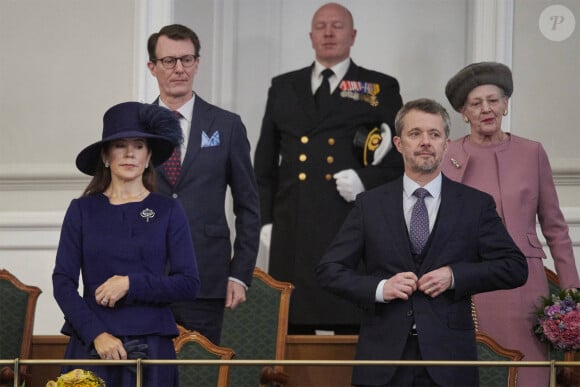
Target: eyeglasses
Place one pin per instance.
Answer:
(169, 62)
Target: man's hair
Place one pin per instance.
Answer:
(425, 105)
(173, 32)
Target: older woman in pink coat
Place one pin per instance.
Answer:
(517, 173)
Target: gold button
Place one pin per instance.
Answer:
(302, 157)
(302, 176)
(328, 177)
(330, 159)
(331, 141)
(304, 139)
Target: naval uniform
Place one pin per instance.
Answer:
(298, 152)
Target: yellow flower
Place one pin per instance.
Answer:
(77, 378)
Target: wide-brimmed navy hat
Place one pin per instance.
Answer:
(477, 74)
(160, 126)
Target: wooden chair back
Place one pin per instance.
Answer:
(17, 308)
(191, 345)
(257, 329)
(490, 350)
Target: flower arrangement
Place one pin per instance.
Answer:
(558, 320)
(77, 378)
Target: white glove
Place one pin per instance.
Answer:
(263, 258)
(385, 145)
(348, 184)
(266, 234)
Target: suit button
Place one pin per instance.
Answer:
(331, 141)
(409, 313)
(302, 157)
(328, 177)
(304, 139)
(174, 195)
(330, 159)
(302, 176)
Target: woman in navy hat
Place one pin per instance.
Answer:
(517, 173)
(132, 246)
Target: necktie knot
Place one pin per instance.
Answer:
(421, 193)
(327, 73)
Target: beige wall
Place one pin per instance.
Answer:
(63, 63)
(546, 99)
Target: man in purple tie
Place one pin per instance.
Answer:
(215, 155)
(425, 244)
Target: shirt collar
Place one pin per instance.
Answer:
(434, 186)
(338, 69)
(186, 110)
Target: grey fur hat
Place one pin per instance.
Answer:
(477, 74)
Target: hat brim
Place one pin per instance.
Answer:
(88, 158)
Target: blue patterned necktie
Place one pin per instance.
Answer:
(172, 166)
(419, 226)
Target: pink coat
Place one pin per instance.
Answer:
(527, 190)
(527, 185)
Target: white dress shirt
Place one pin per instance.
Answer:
(432, 202)
(338, 69)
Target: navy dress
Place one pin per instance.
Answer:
(150, 242)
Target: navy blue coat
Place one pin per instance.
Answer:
(468, 236)
(206, 174)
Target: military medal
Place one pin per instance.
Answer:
(360, 91)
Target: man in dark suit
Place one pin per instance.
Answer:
(426, 244)
(308, 170)
(215, 154)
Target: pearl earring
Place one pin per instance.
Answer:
(106, 164)
(505, 112)
(466, 120)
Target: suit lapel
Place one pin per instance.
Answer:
(458, 159)
(392, 209)
(201, 120)
(303, 89)
(450, 210)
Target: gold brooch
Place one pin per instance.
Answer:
(455, 163)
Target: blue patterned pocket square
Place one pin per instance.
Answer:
(207, 141)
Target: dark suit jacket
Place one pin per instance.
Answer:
(296, 156)
(202, 185)
(468, 236)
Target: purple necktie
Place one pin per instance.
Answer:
(172, 166)
(419, 226)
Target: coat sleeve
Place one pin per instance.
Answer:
(554, 226)
(499, 264)
(65, 277)
(246, 205)
(337, 270)
(266, 160)
(391, 166)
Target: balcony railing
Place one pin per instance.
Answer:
(139, 363)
